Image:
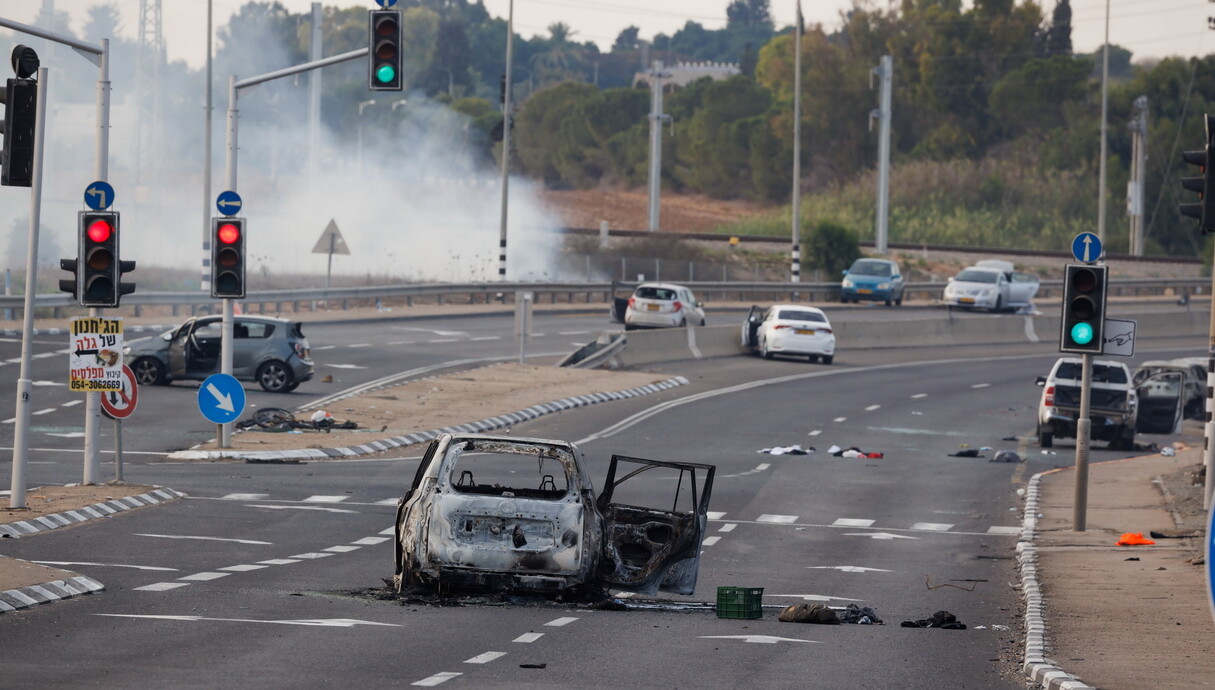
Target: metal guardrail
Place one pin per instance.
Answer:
(601, 292)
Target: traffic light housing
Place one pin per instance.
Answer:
(1204, 184)
(1083, 323)
(98, 266)
(384, 46)
(228, 258)
(20, 99)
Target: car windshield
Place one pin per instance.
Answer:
(1101, 373)
(975, 276)
(801, 315)
(647, 292)
(514, 470)
(870, 268)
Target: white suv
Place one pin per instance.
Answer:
(1113, 403)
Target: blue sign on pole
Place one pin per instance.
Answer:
(1087, 247)
(228, 203)
(99, 196)
(221, 398)
(386, 3)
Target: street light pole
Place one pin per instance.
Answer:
(506, 87)
(362, 105)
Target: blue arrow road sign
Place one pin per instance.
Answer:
(99, 196)
(386, 3)
(1086, 247)
(221, 398)
(228, 203)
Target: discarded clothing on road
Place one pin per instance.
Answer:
(852, 452)
(809, 613)
(1133, 539)
(940, 619)
(861, 615)
(966, 453)
(795, 449)
(1005, 456)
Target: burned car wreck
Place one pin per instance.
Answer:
(521, 514)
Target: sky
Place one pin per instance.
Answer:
(1149, 28)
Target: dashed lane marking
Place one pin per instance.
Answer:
(437, 679)
(484, 658)
(105, 565)
(359, 345)
(244, 497)
(371, 541)
(560, 622)
(778, 519)
(816, 432)
(342, 548)
(243, 568)
(326, 510)
(71, 403)
(713, 515)
(932, 526)
(1003, 529)
(325, 499)
(980, 385)
(204, 577)
(871, 408)
(311, 555)
(528, 637)
(185, 536)
(848, 568)
(279, 561)
(46, 411)
(852, 522)
(728, 527)
(840, 419)
(161, 586)
(390, 530)
(709, 541)
(917, 396)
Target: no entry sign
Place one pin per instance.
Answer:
(120, 404)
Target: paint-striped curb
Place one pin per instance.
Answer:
(45, 593)
(1037, 667)
(481, 426)
(43, 523)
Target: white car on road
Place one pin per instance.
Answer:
(790, 329)
(992, 285)
(663, 305)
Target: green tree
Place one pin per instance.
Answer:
(831, 248)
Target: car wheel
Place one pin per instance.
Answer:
(275, 377)
(999, 305)
(149, 372)
(899, 301)
(683, 323)
(629, 327)
(889, 301)
(292, 386)
(763, 350)
(1045, 438)
(702, 323)
(812, 358)
(827, 359)
(843, 299)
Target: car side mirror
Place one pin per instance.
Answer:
(1041, 381)
(844, 272)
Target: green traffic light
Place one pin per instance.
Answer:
(1082, 333)
(385, 74)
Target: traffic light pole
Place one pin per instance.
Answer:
(234, 89)
(21, 443)
(1083, 428)
(99, 55)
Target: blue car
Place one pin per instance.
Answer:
(875, 280)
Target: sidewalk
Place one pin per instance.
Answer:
(1119, 616)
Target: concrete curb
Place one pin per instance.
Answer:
(481, 426)
(45, 593)
(45, 523)
(1037, 667)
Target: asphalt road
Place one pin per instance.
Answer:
(266, 574)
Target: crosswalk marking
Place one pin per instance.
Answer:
(204, 577)
(325, 499)
(779, 519)
(342, 549)
(311, 555)
(370, 541)
(244, 497)
(932, 526)
(852, 522)
(161, 586)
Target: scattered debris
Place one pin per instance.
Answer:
(966, 453)
(940, 619)
(1006, 456)
(860, 615)
(533, 665)
(277, 419)
(1168, 452)
(1175, 534)
(795, 449)
(852, 452)
(1132, 558)
(809, 613)
(971, 588)
(1133, 539)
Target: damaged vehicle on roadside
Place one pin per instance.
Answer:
(520, 514)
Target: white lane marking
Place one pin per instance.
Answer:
(714, 515)
(709, 541)
(71, 434)
(325, 499)
(758, 468)
(880, 536)
(344, 366)
(442, 340)
(185, 536)
(244, 497)
(528, 637)
(279, 561)
(487, 337)
(573, 332)
(919, 395)
(871, 408)
(932, 526)
(485, 658)
(1003, 529)
(813, 597)
(70, 403)
(326, 510)
(204, 577)
(728, 527)
(386, 502)
(359, 345)
(437, 678)
(779, 519)
(106, 565)
(924, 432)
(848, 568)
(313, 622)
(311, 555)
(852, 522)
(15, 360)
(42, 355)
(756, 639)
(46, 411)
(980, 385)
(342, 549)
(840, 419)
(370, 541)
(161, 586)
(390, 530)
(401, 342)
(324, 347)
(243, 568)
(559, 622)
(10, 420)
(816, 432)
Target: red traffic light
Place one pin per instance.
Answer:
(228, 233)
(100, 230)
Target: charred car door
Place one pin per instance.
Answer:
(647, 549)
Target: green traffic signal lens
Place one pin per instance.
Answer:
(385, 74)
(1082, 333)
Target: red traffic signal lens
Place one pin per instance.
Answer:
(1084, 281)
(385, 50)
(99, 230)
(99, 259)
(228, 233)
(386, 24)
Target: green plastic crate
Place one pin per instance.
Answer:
(740, 602)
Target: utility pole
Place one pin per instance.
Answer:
(885, 72)
(657, 119)
(506, 127)
(795, 249)
(1136, 187)
(315, 81)
(1105, 99)
(205, 280)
